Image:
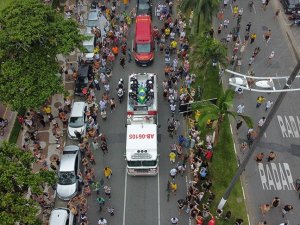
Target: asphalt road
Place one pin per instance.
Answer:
(137, 200)
(264, 181)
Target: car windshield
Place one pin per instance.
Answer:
(144, 6)
(141, 163)
(88, 48)
(143, 48)
(92, 23)
(76, 122)
(66, 178)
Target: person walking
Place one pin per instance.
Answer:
(112, 104)
(251, 60)
(271, 56)
(285, 209)
(107, 172)
(104, 147)
(259, 101)
(252, 38)
(275, 202)
(239, 124)
(173, 173)
(271, 156)
(122, 61)
(240, 108)
(107, 191)
(102, 221)
(261, 122)
(265, 208)
(172, 157)
(259, 157)
(267, 36)
(174, 221)
(248, 27)
(110, 210)
(268, 104)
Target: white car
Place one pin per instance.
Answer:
(62, 216)
(88, 45)
(77, 120)
(96, 20)
(68, 183)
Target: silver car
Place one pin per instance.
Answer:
(77, 120)
(68, 183)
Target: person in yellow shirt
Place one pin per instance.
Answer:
(47, 109)
(172, 157)
(107, 172)
(235, 10)
(173, 186)
(167, 31)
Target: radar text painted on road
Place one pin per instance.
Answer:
(276, 176)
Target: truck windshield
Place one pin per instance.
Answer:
(141, 163)
(143, 48)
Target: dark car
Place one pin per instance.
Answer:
(84, 71)
(290, 6)
(144, 7)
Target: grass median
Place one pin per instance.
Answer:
(224, 163)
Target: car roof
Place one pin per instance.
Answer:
(67, 162)
(90, 41)
(84, 70)
(78, 109)
(59, 216)
(70, 149)
(93, 15)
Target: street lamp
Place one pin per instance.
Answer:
(269, 118)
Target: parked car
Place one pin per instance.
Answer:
(82, 80)
(290, 6)
(88, 45)
(77, 120)
(68, 183)
(62, 216)
(144, 7)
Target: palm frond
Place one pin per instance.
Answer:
(248, 120)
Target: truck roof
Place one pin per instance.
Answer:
(141, 142)
(143, 108)
(143, 29)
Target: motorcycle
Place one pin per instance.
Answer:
(120, 93)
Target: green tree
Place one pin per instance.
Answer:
(218, 111)
(16, 180)
(205, 50)
(203, 11)
(31, 36)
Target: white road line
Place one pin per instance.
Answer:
(125, 195)
(231, 129)
(254, 8)
(248, 219)
(244, 196)
(231, 8)
(265, 135)
(158, 200)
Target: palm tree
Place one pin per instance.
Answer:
(205, 50)
(203, 11)
(218, 111)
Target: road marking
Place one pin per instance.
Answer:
(158, 199)
(231, 8)
(265, 135)
(132, 45)
(244, 196)
(289, 126)
(276, 176)
(125, 193)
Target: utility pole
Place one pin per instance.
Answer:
(252, 148)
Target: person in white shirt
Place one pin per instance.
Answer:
(102, 221)
(269, 104)
(174, 220)
(261, 122)
(240, 108)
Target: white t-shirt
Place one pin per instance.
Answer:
(174, 220)
(102, 222)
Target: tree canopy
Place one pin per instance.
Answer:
(31, 36)
(15, 181)
(207, 49)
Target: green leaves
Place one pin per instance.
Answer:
(205, 50)
(15, 180)
(31, 36)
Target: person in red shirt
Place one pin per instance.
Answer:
(208, 155)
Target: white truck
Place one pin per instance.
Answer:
(142, 94)
(141, 146)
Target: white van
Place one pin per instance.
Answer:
(88, 45)
(62, 216)
(77, 120)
